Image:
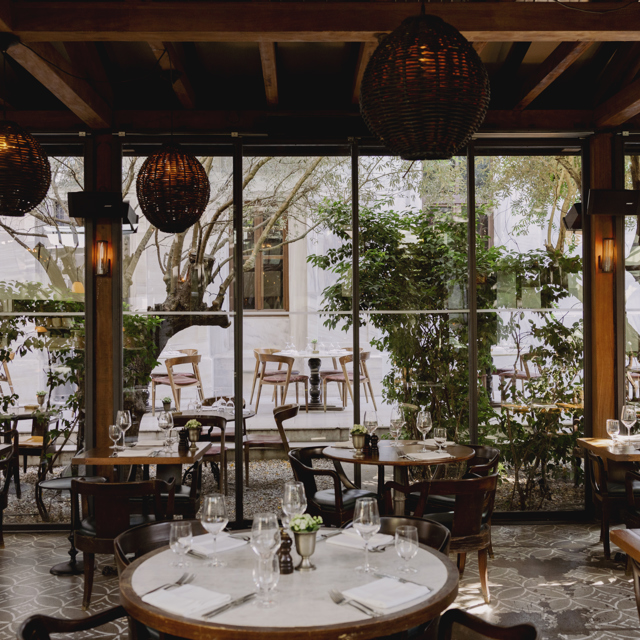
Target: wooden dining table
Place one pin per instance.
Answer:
(303, 608)
(604, 448)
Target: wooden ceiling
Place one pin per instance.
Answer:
(293, 69)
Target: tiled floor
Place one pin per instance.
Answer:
(553, 576)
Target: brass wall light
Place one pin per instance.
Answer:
(103, 264)
(606, 260)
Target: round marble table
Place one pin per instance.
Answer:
(303, 606)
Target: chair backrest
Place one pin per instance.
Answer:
(597, 473)
(265, 358)
(485, 461)
(5, 467)
(112, 503)
(282, 413)
(460, 625)
(189, 352)
(302, 462)
(266, 351)
(132, 544)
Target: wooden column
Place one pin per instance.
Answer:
(103, 365)
(603, 294)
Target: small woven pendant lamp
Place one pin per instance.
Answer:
(173, 189)
(425, 91)
(25, 173)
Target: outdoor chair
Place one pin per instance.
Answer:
(112, 512)
(335, 505)
(257, 373)
(456, 624)
(6, 466)
(529, 370)
(345, 378)
(281, 378)
(177, 380)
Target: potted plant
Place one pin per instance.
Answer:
(166, 403)
(40, 396)
(304, 529)
(358, 433)
(195, 429)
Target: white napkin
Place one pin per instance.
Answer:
(430, 442)
(186, 600)
(342, 445)
(386, 593)
(350, 538)
(425, 456)
(204, 543)
(136, 452)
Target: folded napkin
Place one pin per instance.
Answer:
(204, 543)
(350, 538)
(342, 445)
(430, 442)
(386, 593)
(136, 452)
(425, 456)
(186, 600)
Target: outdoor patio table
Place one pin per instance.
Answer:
(315, 386)
(303, 608)
(389, 455)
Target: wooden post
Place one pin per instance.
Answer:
(603, 295)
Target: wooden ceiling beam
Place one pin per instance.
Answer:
(364, 55)
(269, 71)
(313, 21)
(479, 47)
(84, 56)
(621, 107)
(561, 58)
(170, 57)
(52, 70)
(610, 81)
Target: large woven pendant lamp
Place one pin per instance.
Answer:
(425, 91)
(173, 189)
(25, 174)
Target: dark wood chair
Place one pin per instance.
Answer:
(6, 466)
(33, 444)
(460, 625)
(39, 627)
(470, 520)
(114, 508)
(268, 441)
(132, 544)
(335, 505)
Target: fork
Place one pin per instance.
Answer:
(185, 578)
(340, 599)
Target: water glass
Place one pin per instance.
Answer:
(407, 546)
(265, 534)
(266, 573)
(115, 433)
(440, 437)
(180, 537)
(395, 423)
(165, 422)
(370, 421)
(628, 417)
(613, 429)
(424, 424)
(123, 420)
(294, 501)
(214, 518)
(366, 522)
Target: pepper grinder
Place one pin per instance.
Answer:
(284, 553)
(367, 445)
(374, 445)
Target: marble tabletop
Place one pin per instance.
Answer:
(338, 353)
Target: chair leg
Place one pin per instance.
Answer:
(16, 477)
(484, 574)
(153, 398)
(324, 393)
(306, 397)
(604, 531)
(372, 396)
(462, 559)
(89, 569)
(297, 399)
(259, 392)
(255, 377)
(176, 396)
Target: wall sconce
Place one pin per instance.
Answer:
(605, 261)
(103, 264)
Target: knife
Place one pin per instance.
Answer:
(229, 605)
(403, 580)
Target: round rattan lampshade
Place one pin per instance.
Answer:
(173, 189)
(425, 91)
(25, 174)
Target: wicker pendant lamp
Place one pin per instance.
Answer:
(25, 174)
(173, 189)
(425, 91)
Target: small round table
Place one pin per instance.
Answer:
(389, 455)
(303, 607)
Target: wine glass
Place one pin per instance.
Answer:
(172, 438)
(115, 433)
(395, 424)
(370, 421)
(214, 519)
(180, 537)
(165, 422)
(266, 573)
(613, 429)
(123, 420)
(407, 546)
(440, 437)
(366, 522)
(424, 424)
(265, 534)
(628, 417)
(294, 502)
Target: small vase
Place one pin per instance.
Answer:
(194, 436)
(358, 444)
(305, 546)
(166, 406)
(40, 400)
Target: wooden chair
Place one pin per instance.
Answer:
(33, 444)
(256, 371)
(5, 376)
(112, 512)
(470, 520)
(460, 625)
(335, 505)
(6, 466)
(629, 541)
(345, 378)
(39, 627)
(529, 369)
(267, 441)
(177, 380)
(281, 378)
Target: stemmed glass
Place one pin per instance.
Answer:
(115, 433)
(294, 502)
(123, 420)
(265, 534)
(424, 424)
(396, 422)
(407, 546)
(180, 537)
(366, 522)
(165, 422)
(440, 437)
(370, 421)
(628, 417)
(266, 574)
(214, 519)
(613, 429)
